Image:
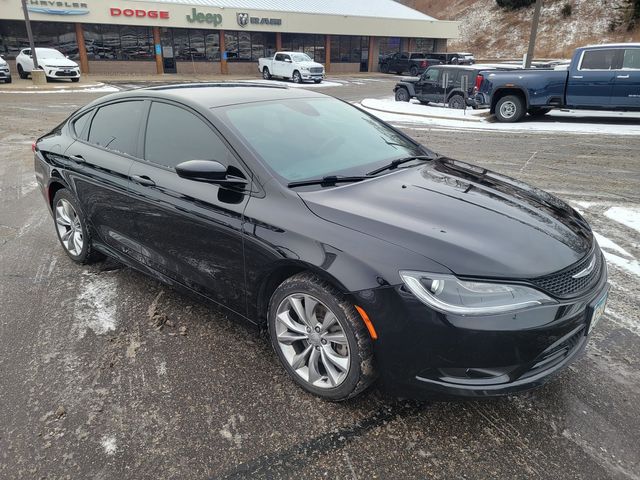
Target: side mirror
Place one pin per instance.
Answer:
(207, 171)
(288, 60)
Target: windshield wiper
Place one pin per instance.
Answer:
(399, 161)
(326, 181)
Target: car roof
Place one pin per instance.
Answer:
(463, 67)
(211, 95)
(609, 45)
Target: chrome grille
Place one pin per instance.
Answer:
(315, 69)
(563, 285)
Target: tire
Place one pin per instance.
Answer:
(354, 352)
(75, 80)
(384, 68)
(510, 109)
(317, 81)
(21, 73)
(402, 95)
(424, 102)
(538, 112)
(266, 74)
(413, 71)
(65, 214)
(8, 80)
(296, 77)
(457, 102)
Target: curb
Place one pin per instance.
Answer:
(439, 117)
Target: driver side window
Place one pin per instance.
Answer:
(431, 75)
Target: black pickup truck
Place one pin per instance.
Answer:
(413, 62)
(450, 84)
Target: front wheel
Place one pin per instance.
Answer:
(384, 68)
(21, 73)
(510, 109)
(317, 81)
(320, 338)
(296, 77)
(72, 230)
(402, 95)
(266, 74)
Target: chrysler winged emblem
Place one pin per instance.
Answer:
(586, 271)
(243, 19)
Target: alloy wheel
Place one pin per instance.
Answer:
(69, 227)
(312, 341)
(508, 109)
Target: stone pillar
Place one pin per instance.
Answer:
(441, 45)
(224, 67)
(278, 41)
(327, 53)
(82, 49)
(374, 53)
(157, 48)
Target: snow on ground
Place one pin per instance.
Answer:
(288, 83)
(93, 87)
(626, 216)
(561, 122)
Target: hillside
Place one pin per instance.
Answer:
(492, 32)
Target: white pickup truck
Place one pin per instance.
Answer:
(294, 65)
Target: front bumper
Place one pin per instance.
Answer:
(5, 74)
(55, 72)
(421, 353)
(312, 76)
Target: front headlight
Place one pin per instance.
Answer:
(449, 294)
(304, 69)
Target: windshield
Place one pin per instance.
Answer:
(48, 53)
(306, 138)
(301, 57)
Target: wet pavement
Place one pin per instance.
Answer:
(106, 373)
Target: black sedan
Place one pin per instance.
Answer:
(363, 253)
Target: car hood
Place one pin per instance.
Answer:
(57, 62)
(3, 63)
(473, 221)
(310, 65)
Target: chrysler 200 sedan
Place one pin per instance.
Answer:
(363, 254)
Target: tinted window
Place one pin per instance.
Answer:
(417, 55)
(631, 59)
(80, 122)
(116, 127)
(175, 135)
(603, 59)
(279, 57)
(431, 75)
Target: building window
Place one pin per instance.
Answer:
(113, 42)
(249, 46)
(348, 49)
(61, 36)
(426, 45)
(389, 45)
(312, 45)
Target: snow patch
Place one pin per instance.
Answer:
(607, 244)
(109, 445)
(631, 266)
(95, 307)
(93, 88)
(629, 216)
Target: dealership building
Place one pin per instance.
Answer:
(220, 36)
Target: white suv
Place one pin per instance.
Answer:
(5, 73)
(54, 64)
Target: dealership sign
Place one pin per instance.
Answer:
(244, 19)
(49, 7)
(138, 13)
(213, 18)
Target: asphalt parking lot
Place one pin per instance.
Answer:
(109, 374)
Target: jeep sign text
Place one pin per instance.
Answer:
(213, 18)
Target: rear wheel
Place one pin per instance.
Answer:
(402, 95)
(266, 74)
(296, 77)
(457, 102)
(510, 109)
(21, 73)
(413, 71)
(384, 68)
(72, 229)
(320, 338)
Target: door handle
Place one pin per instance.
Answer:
(143, 180)
(77, 158)
(577, 76)
(622, 76)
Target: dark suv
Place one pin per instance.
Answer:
(450, 84)
(454, 58)
(413, 62)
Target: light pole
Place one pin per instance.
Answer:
(534, 32)
(37, 75)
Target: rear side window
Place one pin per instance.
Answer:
(175, 135)
(417, 55)
(602, 59)
(116, 127)
(631, 59)
(80, 123)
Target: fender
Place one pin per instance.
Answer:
(514, 86)
(409, 86)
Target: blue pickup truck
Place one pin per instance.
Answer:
(601, 77)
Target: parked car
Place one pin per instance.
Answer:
(296, 66)
(5, 72)
(359, 250)
(600, 77)
(454, 58)
(461, 82)
(413, 62)
(54, 64)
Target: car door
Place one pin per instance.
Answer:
(278, 67)
(26, 60)
(429, 85)
(592, 77)
(190, 231)
(99, 163)
(286, 66)
(626, 89)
